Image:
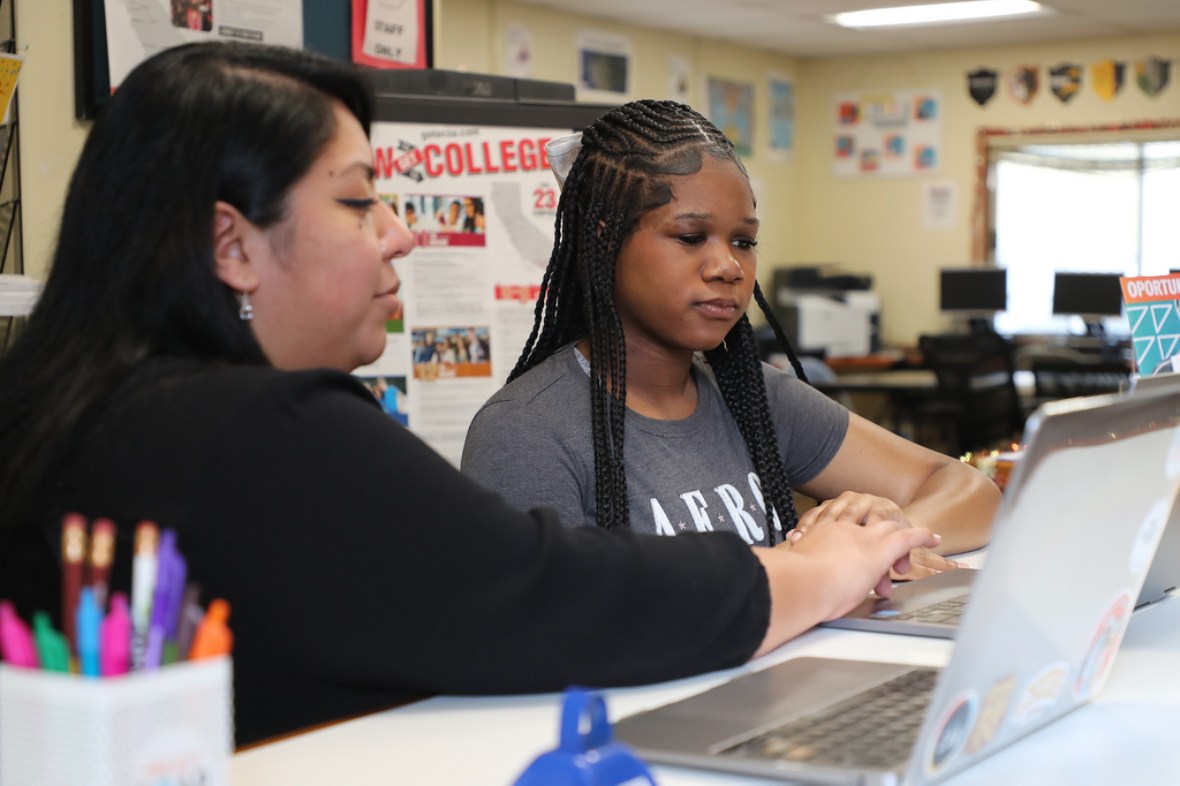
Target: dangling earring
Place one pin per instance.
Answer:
(246, 312)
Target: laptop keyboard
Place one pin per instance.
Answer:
(947, 613)
(875, 729)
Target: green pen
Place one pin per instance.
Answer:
(51, 645)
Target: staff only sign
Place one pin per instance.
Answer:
(1153, 309)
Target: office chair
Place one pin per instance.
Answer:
(976, 402)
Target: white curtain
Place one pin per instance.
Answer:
(1090, 208)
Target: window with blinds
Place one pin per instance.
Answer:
(1087, 208)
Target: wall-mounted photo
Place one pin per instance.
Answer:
(451, 352)
(193, 14)
(604, 66)
(390, 392)
(445, 219)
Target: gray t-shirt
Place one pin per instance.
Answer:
(532, 443)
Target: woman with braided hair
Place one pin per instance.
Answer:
(640, 400)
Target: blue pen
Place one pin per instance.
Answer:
(89, 619)
(161, 601)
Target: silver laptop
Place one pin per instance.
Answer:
(934, 605)
(1069, 555)
(1162, 381)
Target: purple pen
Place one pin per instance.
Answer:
(161, 602)
(176, 596)
(175, 603)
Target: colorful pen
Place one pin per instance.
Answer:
(102, 554)
(89, 624)
(73, 555)
(176, 584)
(52, 647)
(191, 615)
(162, 601)
(16, 641)
(116, 638)
(143, 587)
(213, 636)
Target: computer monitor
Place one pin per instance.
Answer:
(1088, 295)
(975, 293)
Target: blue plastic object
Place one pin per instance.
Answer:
(590, 758)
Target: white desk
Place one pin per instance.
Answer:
(1130, 734)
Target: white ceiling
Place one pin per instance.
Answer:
(797, 27)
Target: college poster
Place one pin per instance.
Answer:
(138, 29)
(481, 202)
(887, 133)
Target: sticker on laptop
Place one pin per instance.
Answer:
(1100, 655)
(1148, 537)
(1040, 693)
(951, 730)
(991, 714)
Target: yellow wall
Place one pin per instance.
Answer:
(808, 214)
(50, 138)
(876, 226)
(472, 36)
(469, 35)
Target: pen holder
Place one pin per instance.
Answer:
(171, 727)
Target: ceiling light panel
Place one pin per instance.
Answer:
(938, 13)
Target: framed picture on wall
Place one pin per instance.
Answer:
(604, 67)
(731, 108)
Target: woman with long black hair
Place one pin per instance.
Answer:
(223, 262)
(640, 401)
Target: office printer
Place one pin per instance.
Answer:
(827, 314)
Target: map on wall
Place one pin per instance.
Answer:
(887, 133)
(731, 108)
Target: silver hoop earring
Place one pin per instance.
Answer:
(246, 312)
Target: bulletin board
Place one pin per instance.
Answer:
(887, 133)
(326, 24)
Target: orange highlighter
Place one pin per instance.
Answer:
(213, 636)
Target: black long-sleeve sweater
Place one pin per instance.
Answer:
(362, 568)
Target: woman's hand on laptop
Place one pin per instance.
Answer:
(923, 563)
(825, 574)
(852, 506)
(866, 509)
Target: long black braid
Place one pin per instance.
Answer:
(620, 174)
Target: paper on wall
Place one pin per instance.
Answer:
(138, 29)
(10, 66)
(939, 205)
(391, 30)
(481, 202)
